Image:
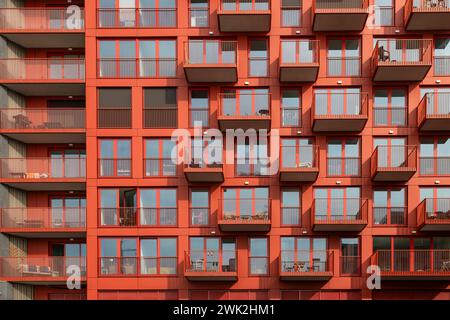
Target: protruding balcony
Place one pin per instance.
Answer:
(339, 112)
(413, 264)
(137, 18)
(43, 27)
(244, 15)
(401, 60)
(433, 214)
(244, 215)
(393, 163)
(433, 112)
(301, 166)
(44, 174)
(211, 61)
(137, 217)
(36, 221)
(203, 172)
(306, 265)
(339, 214)
(40, 269)
(239, 110)
(299, 60)
(341, 15)
(210, 265)
(427, 15)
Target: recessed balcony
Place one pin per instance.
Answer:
(299, 163)
(244, 215)
(413, 264)
(393, 163)
(132, 68)
(131, 18)
(401, 60)
(137, 217)
(306, 265)
(211, 265)
(433, 214)
(244, 16)
(341, 15)
(348, 214)
(299, 60)
(434, 112)
(427, 15)
(211, 61)
(203, 172)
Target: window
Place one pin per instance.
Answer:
(251, 161)
(199, 207)
(118, 256)
(204, 154)
(350, 258)
(114, 107)
(343, 157)
(391, 152)
(115, 157)
(384, 13)
(199, 107)
(434, 156)
(246, 5)
(437, 202)
(291, 108)
(437, 100)
(118, 207)
(389, 206)
(291, 13)
(294, 51)
(69, 212)
(338, 101)
(259, 257)
(158, 256)
(245, 203)
(65, 66)
(245, 102)
(304, 254)
(212, 255)
(290, 207)
(158, 207)
(338, 204)
(258, 58)
(199, 13)
(442, 57)
(158, 157)
(344, 57)
(297, 153)
(390, 107)
(67, 163)
(64, 255)
(160, 108)
(212, 51)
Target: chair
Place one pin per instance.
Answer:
(383, 55)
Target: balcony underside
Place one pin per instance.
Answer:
(38, 233)
(46, 135)
(341, 124)
(204, 174)
(210, 276)
(40, 280)
(56, 39)
(306, 276)
(426, 20)
(435, 123)
(299, 73)
(351, 226)
(211, 73)
(299, 174)
(414, 276)
(47, 185)
(385, 71)
(46, 87)
(242, 225)
(435, 225)
(241, 122)
(244, 22)
(393, 174)
(330, 20)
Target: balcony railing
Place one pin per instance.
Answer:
(42, 218)
(154, 167)
(344, 66)
(426, 14)
(42, 168)
(137, 18)
(389, 215)
(124, 68)
(40, 268)
(236, 104)
(42, 119)
(398, 161)
(45, 19)
(302, 157)
(114, 117)
(137, 217)
(211, 261)
(340, 105)
(114, 168)
(134, 266)
(442, 65)
(434, 166)
(306, 262)
(50, 69)
(210, 52)
(290, 216)
(164, 117)
(199, 216)
(392, 116)
(350, 265)
(434, 111)
(245, 210)
(343, 166)
(339, 211)
(340, 6)
(244, 6)
(434, 214)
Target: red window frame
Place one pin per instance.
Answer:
(311, 248)
(344, 198)
(249, 58)
(297, 152)
(159, 158)
(219, 252)
(342, 257)
(282, 108)
(291, 189)
(115, 158)
(237, 93)
(208, 208)
(344, 57)
(63, 159)
(251, 159)
(250, 257)
(238, 198)
(207, 9)
(343, 157)
(191, 108)
(299, 8)
(344, 91)
(388, 190)
(389, 108)
(435, 156)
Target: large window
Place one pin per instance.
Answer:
(245, 102)
(434, 156)
(337, 204)
(437, 202)
(212, 255)
(442, 57)
(160, 108)
(291, 108)
(158, 157)
(290, 207)
(158, 256)
(199, 13)
(304, 254)
(114, 108)
(344, 57)
(245, 203)
(343, 157)
(390, 107)
(297, 153)
(258, 57)
(335, 102)
(114, 158)
(199, 207)
(251, 160)
(384, 13)
(69, 211)
(291, 13)
(158, 207)
(118, 256)
(67, 163)
(199, 107)
(391, 152)
(389, 206)
(298, 51)
(259, 256)
(118, 207)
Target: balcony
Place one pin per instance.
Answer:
(342, 15)
(40, 270)
(211, 265)
(299, 60)
(43, 222)
(114, 168)
(401, 60)
(306, 265)
(339, 112)
(434, 166)
(42, 27)
(244, 215)
(244, 15)
(343, 166)
(43, 77)
(137, 266)
(433, 214)
(433, 112)
(393, 163)
(244, 111)
(203, 172)
(137, 217)
(413, 264)
(211, 61)
(44, 174)
(54, 125)
(306, 169)
(132, 68)
(137, 18)
(338, 214)
(427, 15)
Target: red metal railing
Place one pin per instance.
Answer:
(210, 52)
(45, 267)
(124, 68)
(433, 211)
(114, 118)
(340, 105)
(42, 218)
(222, 261)
(393, 158)
(244, 6)
(42, 168)
(340, 6)
(137, 217)
(42, 119)
(350, 265)
(137, 18)
(114, 167)
(299, 52)
(163, 117)
(133, 266)
(339, 211)
(441, 65)
(245, 210)
(425, 6)
(344, 66)
(303, 157)
(290, 216)
(435, 105)
(42, 69)
(389, 215)
(343, 166)
(199, 216)
(28, 18)
(236, 104)
(159, 167)
(294, 262)
(390, 116)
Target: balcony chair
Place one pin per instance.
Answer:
(21, 121)
(383, 55)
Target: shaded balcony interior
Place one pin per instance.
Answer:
(202, 172)
(243, 214)
(433, 112)
(305, 265)
(299, 163)
(342, 15)
(393, 163)
(211, 265)
(299, 60)
(433, 214)
(244, 15)
(401, 59)
(427, 15)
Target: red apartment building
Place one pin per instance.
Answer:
(360, 93)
